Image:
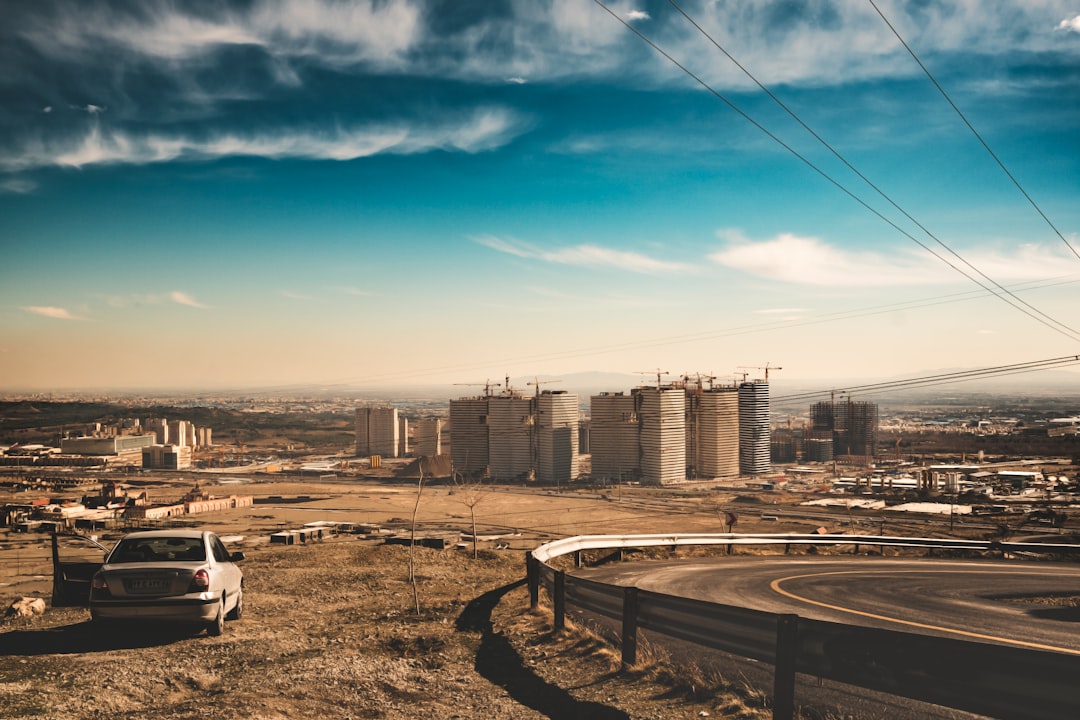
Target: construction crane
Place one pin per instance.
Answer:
(486, 385)
(765, 367)
(701, 378)
(658, 371)
(538, 382)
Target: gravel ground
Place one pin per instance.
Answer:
(331, 631)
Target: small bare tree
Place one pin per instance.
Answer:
(412, 540)
(471, 493)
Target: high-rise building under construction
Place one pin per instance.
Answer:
(712, 431)
(614, 437)
(754, 428)
(662, 416)
(378, 431)
(512, 437)
(557, 416)
(853, 425)
(469, 436)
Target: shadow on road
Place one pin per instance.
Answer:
(499, 662)
(86, 637)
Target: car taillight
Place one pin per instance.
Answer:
(201, 581)
(99, 586)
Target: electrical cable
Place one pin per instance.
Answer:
(973, 130)
(1074, 333)
(943, 378)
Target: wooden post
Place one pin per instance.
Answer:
(532, 571)
(787, 645)
(560, 600)
(629, 627)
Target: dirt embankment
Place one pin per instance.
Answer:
(330, 631)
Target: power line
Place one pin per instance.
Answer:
(944, 378)
(973, 130)
(1045, 319)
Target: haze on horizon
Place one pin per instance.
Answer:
(303, 192)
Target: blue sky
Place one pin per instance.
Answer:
(276, 192)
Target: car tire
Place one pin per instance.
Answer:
(217, 626)
(238, 611)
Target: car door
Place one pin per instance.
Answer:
(231, 574)
(75, 560)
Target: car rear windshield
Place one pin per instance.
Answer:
(159, 549)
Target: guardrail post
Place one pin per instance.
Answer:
(577, 558)
(532, 572)
(629, 626)
(560, 600)
(787, 645)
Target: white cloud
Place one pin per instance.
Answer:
(329, 30)
(292, 295)
(182, 298)
(356, 292)
(516, 80)
(483, 129)
(809, 261)
(812, 42)
(595, 256)
(47, 109)
(17, 186)
(587, 256)
(58, 313)
(1072, 24)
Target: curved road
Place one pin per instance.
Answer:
(1007, 602)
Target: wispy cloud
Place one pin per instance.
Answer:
(810, 261)
(781, 311)
(57, 313)
(17, 186)
(484, 129)
(587, 256)
(182, 298)
(342, 32)
(356, 292)
(293, 295)
(634, 15)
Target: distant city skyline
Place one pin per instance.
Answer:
(302, 192)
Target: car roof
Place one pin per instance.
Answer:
(167, 533)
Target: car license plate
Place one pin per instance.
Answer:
(147, 585)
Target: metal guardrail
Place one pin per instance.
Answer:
(981, 678)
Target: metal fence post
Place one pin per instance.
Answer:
(787, 645)
(577, 558)
(560, 600)
(532, 572)
(629, 626)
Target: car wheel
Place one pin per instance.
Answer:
(237, 612)
(217, 626)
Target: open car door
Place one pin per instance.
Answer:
(75, 560)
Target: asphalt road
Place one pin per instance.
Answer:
(1007, 602)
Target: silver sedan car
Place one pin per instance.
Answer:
(184, 576)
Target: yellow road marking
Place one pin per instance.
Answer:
(775, 585)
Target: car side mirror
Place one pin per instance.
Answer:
(236, 557)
